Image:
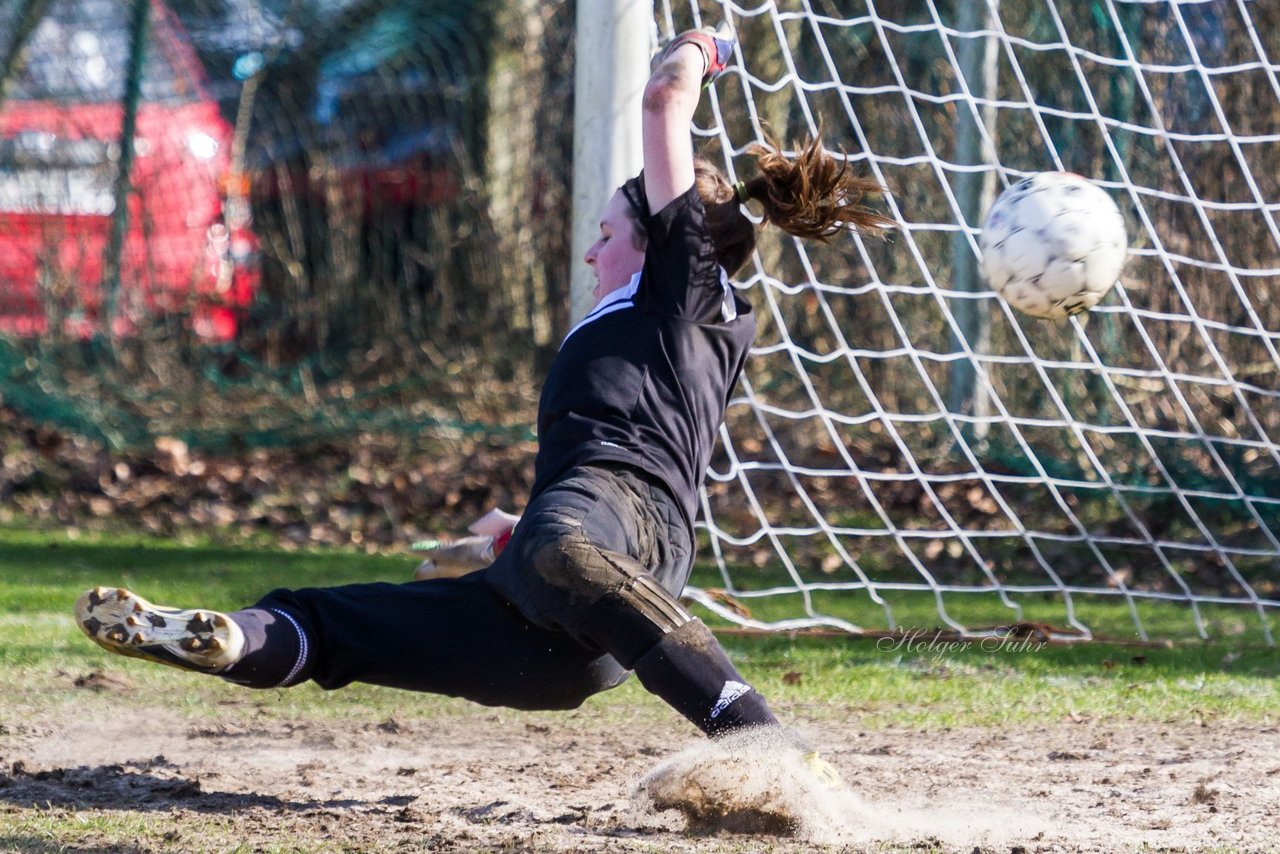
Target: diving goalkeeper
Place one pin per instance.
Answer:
(586, 589)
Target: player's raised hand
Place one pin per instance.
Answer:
(716, 45)
(670, 100)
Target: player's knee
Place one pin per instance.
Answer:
(565, 562)
(603, 599)
(587, 575)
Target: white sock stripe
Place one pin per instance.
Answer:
(304, 648)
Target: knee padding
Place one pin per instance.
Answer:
(645, 595)
(601, 596)
(584, 574)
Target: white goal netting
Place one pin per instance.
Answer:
(905, 450)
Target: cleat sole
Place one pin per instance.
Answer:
(124, 623)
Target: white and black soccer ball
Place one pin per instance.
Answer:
(1053, 245)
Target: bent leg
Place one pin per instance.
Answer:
(601, 556)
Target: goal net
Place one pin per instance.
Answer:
(907, 451)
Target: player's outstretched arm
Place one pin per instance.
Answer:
(670, 99)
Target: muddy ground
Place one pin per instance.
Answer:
(477, 780)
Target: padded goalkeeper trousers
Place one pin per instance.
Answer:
(585, 591)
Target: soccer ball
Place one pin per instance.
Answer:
(1053, 245)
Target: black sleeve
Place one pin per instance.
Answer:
(681, 275)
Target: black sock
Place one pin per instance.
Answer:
(277, 652)
(689, 670)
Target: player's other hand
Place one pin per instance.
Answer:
(459, 557)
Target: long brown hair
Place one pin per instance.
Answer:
(813, 196)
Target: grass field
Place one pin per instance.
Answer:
(53, 683)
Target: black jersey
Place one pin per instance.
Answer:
(645, 377)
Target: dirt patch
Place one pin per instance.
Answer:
(479, 780)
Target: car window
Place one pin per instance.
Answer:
(79, 53)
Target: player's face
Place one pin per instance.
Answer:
(614, 258)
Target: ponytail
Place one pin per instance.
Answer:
(813, 196)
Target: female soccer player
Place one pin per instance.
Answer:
(586, 589)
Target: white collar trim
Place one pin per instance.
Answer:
(623, 297)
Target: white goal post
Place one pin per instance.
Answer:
(907, 451)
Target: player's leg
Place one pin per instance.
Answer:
(446, 636)
(443, 636)
(602, 556)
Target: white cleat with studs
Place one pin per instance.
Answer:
(124, 623)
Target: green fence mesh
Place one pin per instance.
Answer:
(267, 222)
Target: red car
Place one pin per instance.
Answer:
(187, 249)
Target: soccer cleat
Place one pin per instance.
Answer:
(123, 622)
(823, 770)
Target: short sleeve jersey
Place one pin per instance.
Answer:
(645, 377)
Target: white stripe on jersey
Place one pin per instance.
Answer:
(728, 308)
(624, 297)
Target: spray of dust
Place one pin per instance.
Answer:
(756, 781)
